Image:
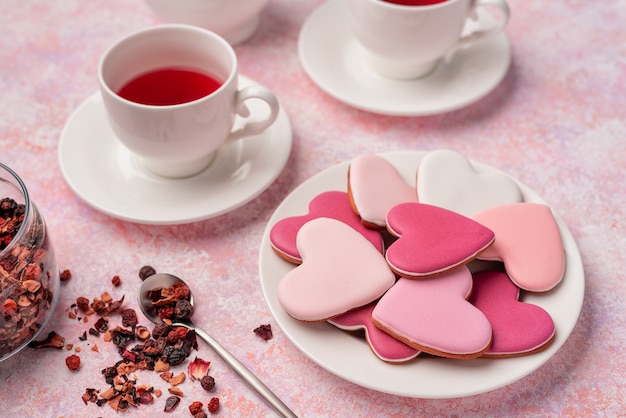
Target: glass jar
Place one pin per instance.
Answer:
(29, 274)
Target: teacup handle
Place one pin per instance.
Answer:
(255, 127)
(502, 5)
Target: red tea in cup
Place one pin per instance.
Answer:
(169, 86)
(415, 2)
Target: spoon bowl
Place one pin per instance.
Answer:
(157, 281)
(162, 280)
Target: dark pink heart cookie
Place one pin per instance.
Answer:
(518, 328)
(332, 204)
(383, 345)
(432, 240)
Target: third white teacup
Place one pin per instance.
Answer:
(234, 20)
(405, 39)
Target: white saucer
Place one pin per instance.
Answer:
(332, 58)
(106, 176)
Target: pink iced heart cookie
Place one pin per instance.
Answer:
(374, 187)
(432, 240)
(332, 204)
(433, 315)
(528, 242)
(518, 328)
(447, 179)
(383, 345)
(340, 271)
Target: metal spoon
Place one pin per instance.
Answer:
(165, 280)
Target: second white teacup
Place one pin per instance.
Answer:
(405, 39)
(171, 96)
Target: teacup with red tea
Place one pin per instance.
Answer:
(406, 39)
(171, 96)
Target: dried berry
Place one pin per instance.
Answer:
(172, 337)
(116, 281)
(160, 330)
(82, 303)
(146, 271)
(65, 275)
(9, 307)
(166, 312)
(207, 383)
(72, 362)
(195, 407)
(181, 332)
(183, 310)
(214, 405)
(176, 357)
(171, 403)
(264, 331)
(129, 318)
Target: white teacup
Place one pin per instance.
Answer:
(404, 40)
(171, 119)
(234, 20)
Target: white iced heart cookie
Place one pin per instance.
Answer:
(447, 179)
(341, 270)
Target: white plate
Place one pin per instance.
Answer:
(103, 173)
(332, 58)
(425, 377)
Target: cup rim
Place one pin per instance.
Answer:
(162, 27)
(414, 7)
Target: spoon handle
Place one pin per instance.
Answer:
(246, 375)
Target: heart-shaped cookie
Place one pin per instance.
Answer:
(518, 328)
(528, 242)
(447, 179)
(340, 271)
(432, 240)
(332, 204)
(374, 187)
(383, 345)
(433, 315)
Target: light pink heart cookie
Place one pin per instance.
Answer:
(374, 187)
(433, 315)
(383, 345)
(432, 240)
(332, 204)
(528, 242)
(518, 328)
(447, 179)
(340, 271)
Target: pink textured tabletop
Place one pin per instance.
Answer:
(556, 122)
